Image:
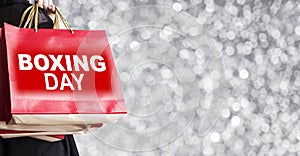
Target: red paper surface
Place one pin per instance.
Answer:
(101, 91)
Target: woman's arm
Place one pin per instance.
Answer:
(12, 10)
(46, 4)
(4, 3)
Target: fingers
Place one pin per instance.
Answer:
(47, 5)
(51, 6)
(40, 2)
(50, 9)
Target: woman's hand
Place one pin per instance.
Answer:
(48, 6)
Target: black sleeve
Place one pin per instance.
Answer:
(12, 12)
(4, 3)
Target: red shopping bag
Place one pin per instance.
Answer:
(56, 77)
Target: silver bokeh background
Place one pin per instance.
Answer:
(200, 77)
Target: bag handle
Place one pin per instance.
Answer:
(33, 17)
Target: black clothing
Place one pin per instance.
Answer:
(26, 146)
(11, 12)
(10, 2)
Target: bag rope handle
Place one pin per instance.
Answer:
(33, 17)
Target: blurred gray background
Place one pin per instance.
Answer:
(200, 77)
